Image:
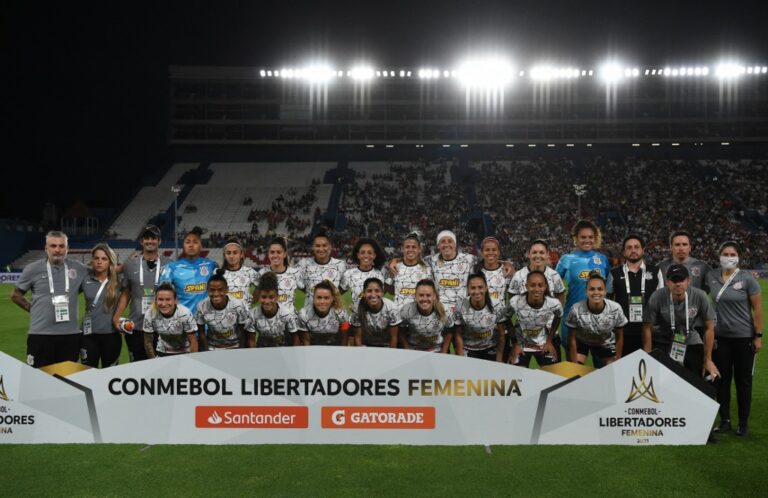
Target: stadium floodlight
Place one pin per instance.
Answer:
(446, 146)
(648, 71)
(725, 143)
(262, 73)
(389, 146)
(446, 74)
(362, 73)
(531, 145)
(269, 73)
(667, 71)
(569, 145)
(765, 70)
(542, 73)
(464, 146)
(589, 145)
(591, 72)
(419, 146)
(675, 144)
(611, 73)
(485, 73)
(635, 145)
(729, 70)
(378, 74)
(408, 74)
(370, 146)
(655, 145)
(316, 73)
(509, 146)
(402, 73)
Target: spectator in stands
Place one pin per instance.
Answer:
(55, 283)
(189, 275)
(101, 341)
(141, 275)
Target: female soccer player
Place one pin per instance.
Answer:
(538, 317)
(321, 266)
(222, 320)
(289, 278)
(409, 271)
(427, 326)
(575, 267)
(538, 259)
(596, 324)
(189, 275)
(173, 322)
(375, 320)
(369, 258)
(275, 323)
(493, 270)
(739, 333)
(239, 277)
(101, 342)
(324, 322)
(480, 324)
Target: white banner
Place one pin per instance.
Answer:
(9, 278)
(337, 395)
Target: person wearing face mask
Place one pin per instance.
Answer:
(575, 267)
(680, 253)
(738, 333)
(632, 284)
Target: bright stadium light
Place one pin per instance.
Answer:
(729, 70)
(485, 73)
(262, 73)
(361, 73)
(316, 73)
(611, 73)
(542, 73)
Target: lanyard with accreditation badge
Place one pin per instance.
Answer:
(146, 301)
(677, 352)
(87, 322)
(635, 302)
(60, 302)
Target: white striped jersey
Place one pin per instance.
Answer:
(239, 283)
(425, 333)
(596, 329)
(323, 331)
(405, 281)
(171, 331)
(478, 326)
(533, 323)
(451, 278)
(225, 327)
(497, 285)
(287, 283)
(377, 333)
(275, 330)
(312, 273)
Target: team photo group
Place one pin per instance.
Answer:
(708, 320)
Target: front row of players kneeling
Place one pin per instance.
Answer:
(525, 328)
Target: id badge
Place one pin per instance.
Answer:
(87, 326)
(146, 303)
(677, 352)
(60, 308)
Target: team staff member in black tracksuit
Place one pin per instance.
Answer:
(631, 285)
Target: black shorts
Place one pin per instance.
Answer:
(43, 350)
(597, 351)
(101, 349)
(483, 354)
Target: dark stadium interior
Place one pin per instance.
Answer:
(101, 101)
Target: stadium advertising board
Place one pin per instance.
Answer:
(324, 395)
(9, 278)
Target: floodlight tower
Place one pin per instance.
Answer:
(580, 190)
(176, 189)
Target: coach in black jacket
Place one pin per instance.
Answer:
(631, 285)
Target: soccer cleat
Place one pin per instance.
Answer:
(725, 426)
(742, 431)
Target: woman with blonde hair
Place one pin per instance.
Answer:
(425, 324)
(101, 342)
(324, 322)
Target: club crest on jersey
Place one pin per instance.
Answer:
(692, 311)
(72, 273)
(649, 276)
(737, 286)
(204, 271)
(696, 271)
(596, 259)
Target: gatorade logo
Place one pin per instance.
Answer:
(378, 417)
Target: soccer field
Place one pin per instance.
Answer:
(735, 466)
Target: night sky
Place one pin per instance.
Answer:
(84, 86)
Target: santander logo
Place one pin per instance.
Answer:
(214, 419)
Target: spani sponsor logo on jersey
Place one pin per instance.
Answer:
(408, 291)
(237, 294)
(584, 274)
(449, 282)
(195, 288)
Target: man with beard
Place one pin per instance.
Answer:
(631, 286)
(680, 253)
